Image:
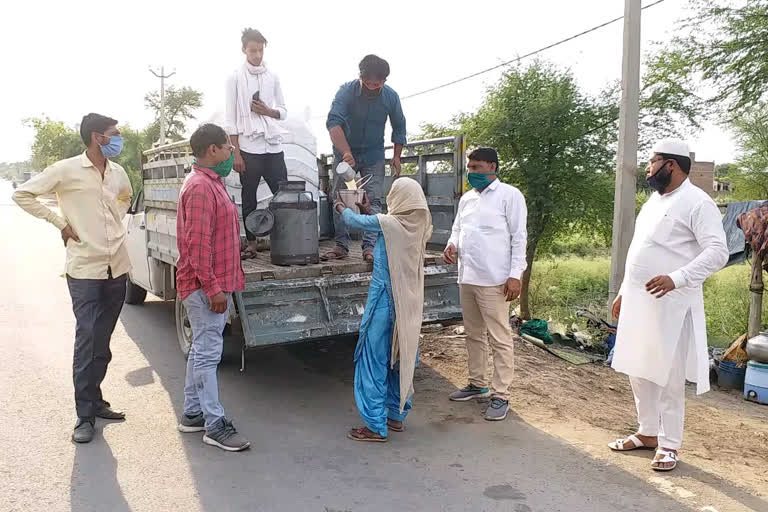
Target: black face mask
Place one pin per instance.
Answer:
(660, 181)
(371, 94)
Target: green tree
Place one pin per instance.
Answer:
(749, 180)
(723, 171)
(555, 144)
(721, 48)
(135, 143)
(53, 141)
(180, 105)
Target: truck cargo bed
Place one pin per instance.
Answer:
(289, 304)
(261, 268)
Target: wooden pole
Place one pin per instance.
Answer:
(756, 288)
(626, 165)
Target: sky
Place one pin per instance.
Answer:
(65, 59)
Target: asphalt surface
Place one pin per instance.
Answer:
(294, 403)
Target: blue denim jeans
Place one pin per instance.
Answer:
(375, 190)
(201, 389)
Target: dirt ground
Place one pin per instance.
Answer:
(726, 438)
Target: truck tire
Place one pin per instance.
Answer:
(183, 329)
(134, 294)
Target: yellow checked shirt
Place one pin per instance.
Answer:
(93, 207)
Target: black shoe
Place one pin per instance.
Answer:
(83, 431)
(104, 410)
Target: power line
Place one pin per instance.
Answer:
(518, 59)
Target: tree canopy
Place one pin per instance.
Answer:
(722, 48)
(53, 141)
(180, 105)
(749, 176)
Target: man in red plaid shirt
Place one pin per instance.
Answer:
(208, 271)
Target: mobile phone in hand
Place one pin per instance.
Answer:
(256, 96)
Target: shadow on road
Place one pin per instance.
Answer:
(295, 403)
(94, 486)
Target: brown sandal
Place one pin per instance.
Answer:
(368, 255)
(395, 426)
(337, 253)
(366, 435)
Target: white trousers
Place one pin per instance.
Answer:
(661, 409)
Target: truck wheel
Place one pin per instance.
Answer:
(183, 328)
(134, 294)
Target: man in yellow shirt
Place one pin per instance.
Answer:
(94, 194)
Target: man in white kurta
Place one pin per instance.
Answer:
(662, 339)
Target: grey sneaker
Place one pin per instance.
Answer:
(83, 431)
(224, 435)
(468, 393)
(190, 424)
(497, 409)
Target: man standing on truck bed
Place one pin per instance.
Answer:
(356, 123)
(254, 105)
(207, 272)
(94, 195)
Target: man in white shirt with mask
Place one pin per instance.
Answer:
(662, 335)
(254, 108)
(489, 240)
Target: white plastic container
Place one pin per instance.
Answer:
(756, 382)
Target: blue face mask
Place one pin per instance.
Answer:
(479, 180)
(114, 147)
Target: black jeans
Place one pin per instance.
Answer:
(97, 304)
(270, 166)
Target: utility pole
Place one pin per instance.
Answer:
(162, 76)
(626, 158)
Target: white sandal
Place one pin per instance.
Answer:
(619, 444)
(667, 457)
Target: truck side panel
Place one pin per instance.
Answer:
(274, 312)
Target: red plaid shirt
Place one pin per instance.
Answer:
(208, 237)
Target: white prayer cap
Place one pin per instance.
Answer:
(672, 147)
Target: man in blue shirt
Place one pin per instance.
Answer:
(356, 124)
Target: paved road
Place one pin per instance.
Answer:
(294, 403)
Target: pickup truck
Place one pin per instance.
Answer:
(288, 304)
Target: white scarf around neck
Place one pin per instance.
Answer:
(250, 124)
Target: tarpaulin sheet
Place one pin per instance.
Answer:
(734, 234)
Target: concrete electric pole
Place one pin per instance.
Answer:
(626, 165)
(162, 76)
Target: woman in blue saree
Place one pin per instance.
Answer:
(387, 350)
